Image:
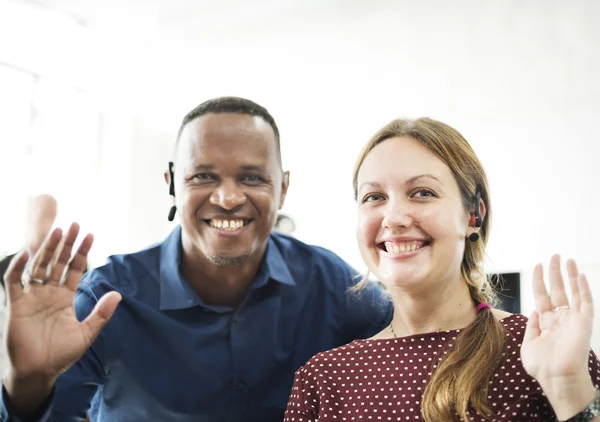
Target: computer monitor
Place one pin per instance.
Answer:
(508, 287)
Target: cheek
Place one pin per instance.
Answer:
(367, 228)
(265, 204)
(189, 200)
(441, 222)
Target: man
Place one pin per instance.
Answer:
(212, 322)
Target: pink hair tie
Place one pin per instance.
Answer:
(483, 305)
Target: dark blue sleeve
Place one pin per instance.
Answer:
(369, 307)
(75, 388)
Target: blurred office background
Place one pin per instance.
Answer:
(92, 94)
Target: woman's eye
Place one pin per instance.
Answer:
(424, 193)
(372, 197)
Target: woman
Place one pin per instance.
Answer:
(423, 222)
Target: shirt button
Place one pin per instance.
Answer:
(240, 385)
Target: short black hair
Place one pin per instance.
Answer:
(235, 105)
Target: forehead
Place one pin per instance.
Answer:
(216, 135)
(399, 159)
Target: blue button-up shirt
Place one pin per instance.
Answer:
(168, 356)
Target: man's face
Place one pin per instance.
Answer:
(229, 186)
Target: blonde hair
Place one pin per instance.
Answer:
(461, 380)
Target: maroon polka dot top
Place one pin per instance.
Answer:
(383, 380)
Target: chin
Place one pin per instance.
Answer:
(228, 260)
(402, 283)
(394, 277)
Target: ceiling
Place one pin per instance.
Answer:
(479, 56)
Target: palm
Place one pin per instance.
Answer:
(557, 339)
(44, 336)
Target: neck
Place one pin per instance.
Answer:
(449, 308)
(217, 285)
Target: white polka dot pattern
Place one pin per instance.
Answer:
(383, 380)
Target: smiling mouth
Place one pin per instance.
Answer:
(227, 225)
(397, 248)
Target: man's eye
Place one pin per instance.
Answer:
(203, 176)
(252, 178)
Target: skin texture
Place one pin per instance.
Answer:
(226, 168)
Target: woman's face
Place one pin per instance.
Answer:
(411, 220)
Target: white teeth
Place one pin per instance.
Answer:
(227, 224)
(396, 248)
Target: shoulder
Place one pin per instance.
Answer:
(328, 361)
(514, 325)
(123, 272)
(500, 314)
(294, 251)
(289, 245)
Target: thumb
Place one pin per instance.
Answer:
(101, 314)
(532, 330)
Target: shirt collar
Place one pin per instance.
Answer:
(175, 291)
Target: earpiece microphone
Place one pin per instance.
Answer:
(172, 212)
(173, 209)
(171, 181)
(476, 220)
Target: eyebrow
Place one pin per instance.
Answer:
(413, 179)
(421, 176)
(248, 167)
(251, 167)
(200, 167)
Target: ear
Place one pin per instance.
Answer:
(285, 183)
(482, 209)
(167, 177)
(482, 212)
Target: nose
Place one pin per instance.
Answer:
(228, 196)
(397, 214)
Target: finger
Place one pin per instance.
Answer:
(101, 314)
(12, 277)
(573, 273)
(558, 295)
(44, 255)
(63, 255)
(540, 294)
(76, 266)
(532, 330)
(587, 302)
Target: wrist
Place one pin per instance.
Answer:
(27, 393)
(570, 396)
